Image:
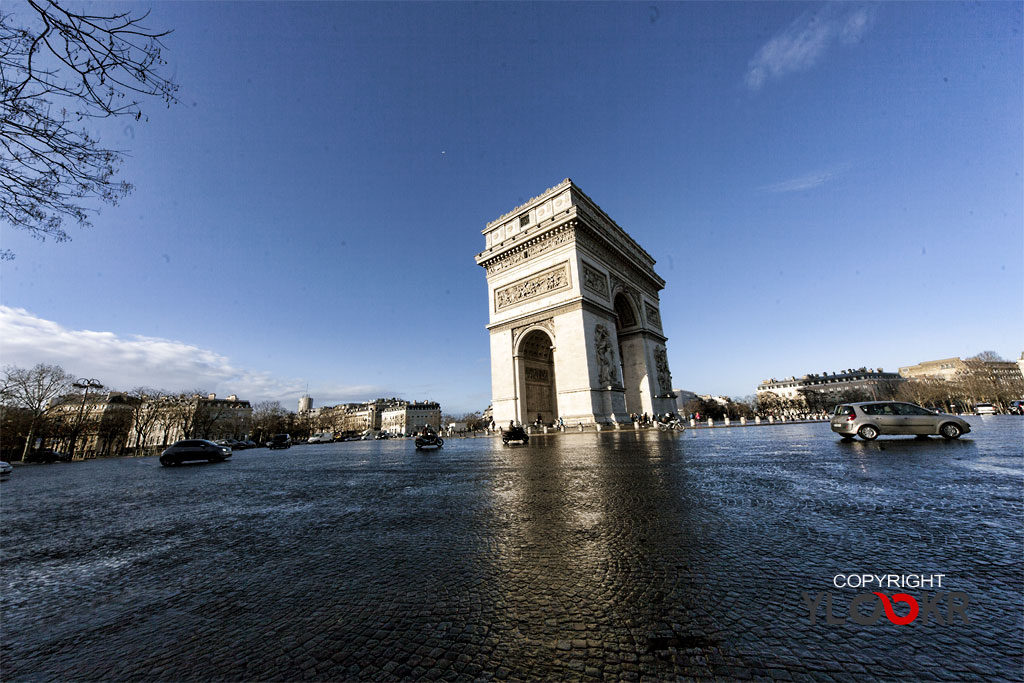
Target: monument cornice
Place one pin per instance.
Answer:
(541, 241)
(612, 231)
(591, 238)
(538, 316)
(644, 332)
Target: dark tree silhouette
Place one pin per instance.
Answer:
(63, 69)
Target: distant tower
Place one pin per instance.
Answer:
(305, 404)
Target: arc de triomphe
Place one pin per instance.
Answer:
(574, 318)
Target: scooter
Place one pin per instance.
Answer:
(515, 434)
(429, 441)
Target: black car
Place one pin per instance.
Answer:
(47, 455)
(194, 449)
(280, 441)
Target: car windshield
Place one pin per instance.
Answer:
(844, 410)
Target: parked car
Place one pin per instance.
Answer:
(47, 456)
(280, 441)
(5, 469)
(985, 409)
(193, 449)
(1016, 408)
(322, 437)
(870, 419)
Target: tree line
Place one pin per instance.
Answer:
(43, 407)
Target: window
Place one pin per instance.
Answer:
(524, 220)
(910, 409)
(879, 409)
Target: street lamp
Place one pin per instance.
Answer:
(86, 384)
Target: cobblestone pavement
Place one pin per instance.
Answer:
(616, 555)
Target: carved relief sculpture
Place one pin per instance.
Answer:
(595, 281)
(661, 364)
(536, 375)
(546, 282)
(652, 315)
(606, 374)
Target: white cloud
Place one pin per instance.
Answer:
(126, 362)
(806, 182)
(802, 44)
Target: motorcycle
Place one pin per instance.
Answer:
(429, 441)
(672, 425)
(515, 434)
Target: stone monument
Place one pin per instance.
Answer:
(574, 315)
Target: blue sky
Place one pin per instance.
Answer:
(823, 186)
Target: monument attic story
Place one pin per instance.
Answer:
(512, 234)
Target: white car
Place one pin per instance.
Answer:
(985, 409)
(5, 469)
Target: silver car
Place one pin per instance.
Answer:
(871, 418)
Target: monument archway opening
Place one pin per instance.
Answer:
(633, 367)
(537, 377)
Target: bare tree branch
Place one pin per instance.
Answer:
(70, 67)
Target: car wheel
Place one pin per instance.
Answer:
(950, 431)
(166, 462)
(868, 432)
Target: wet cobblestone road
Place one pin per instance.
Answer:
(586, 556)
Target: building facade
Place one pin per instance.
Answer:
(952, 369)
(198, 417)
(110, 423)
(405, 417)
(872, 383)
(574, 315)
(92, 425)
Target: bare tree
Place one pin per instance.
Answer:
(66, 67)
(988, 357)
(146, 406)
(268, 417)
(207, 415)
(33, 391)
(181, 411)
